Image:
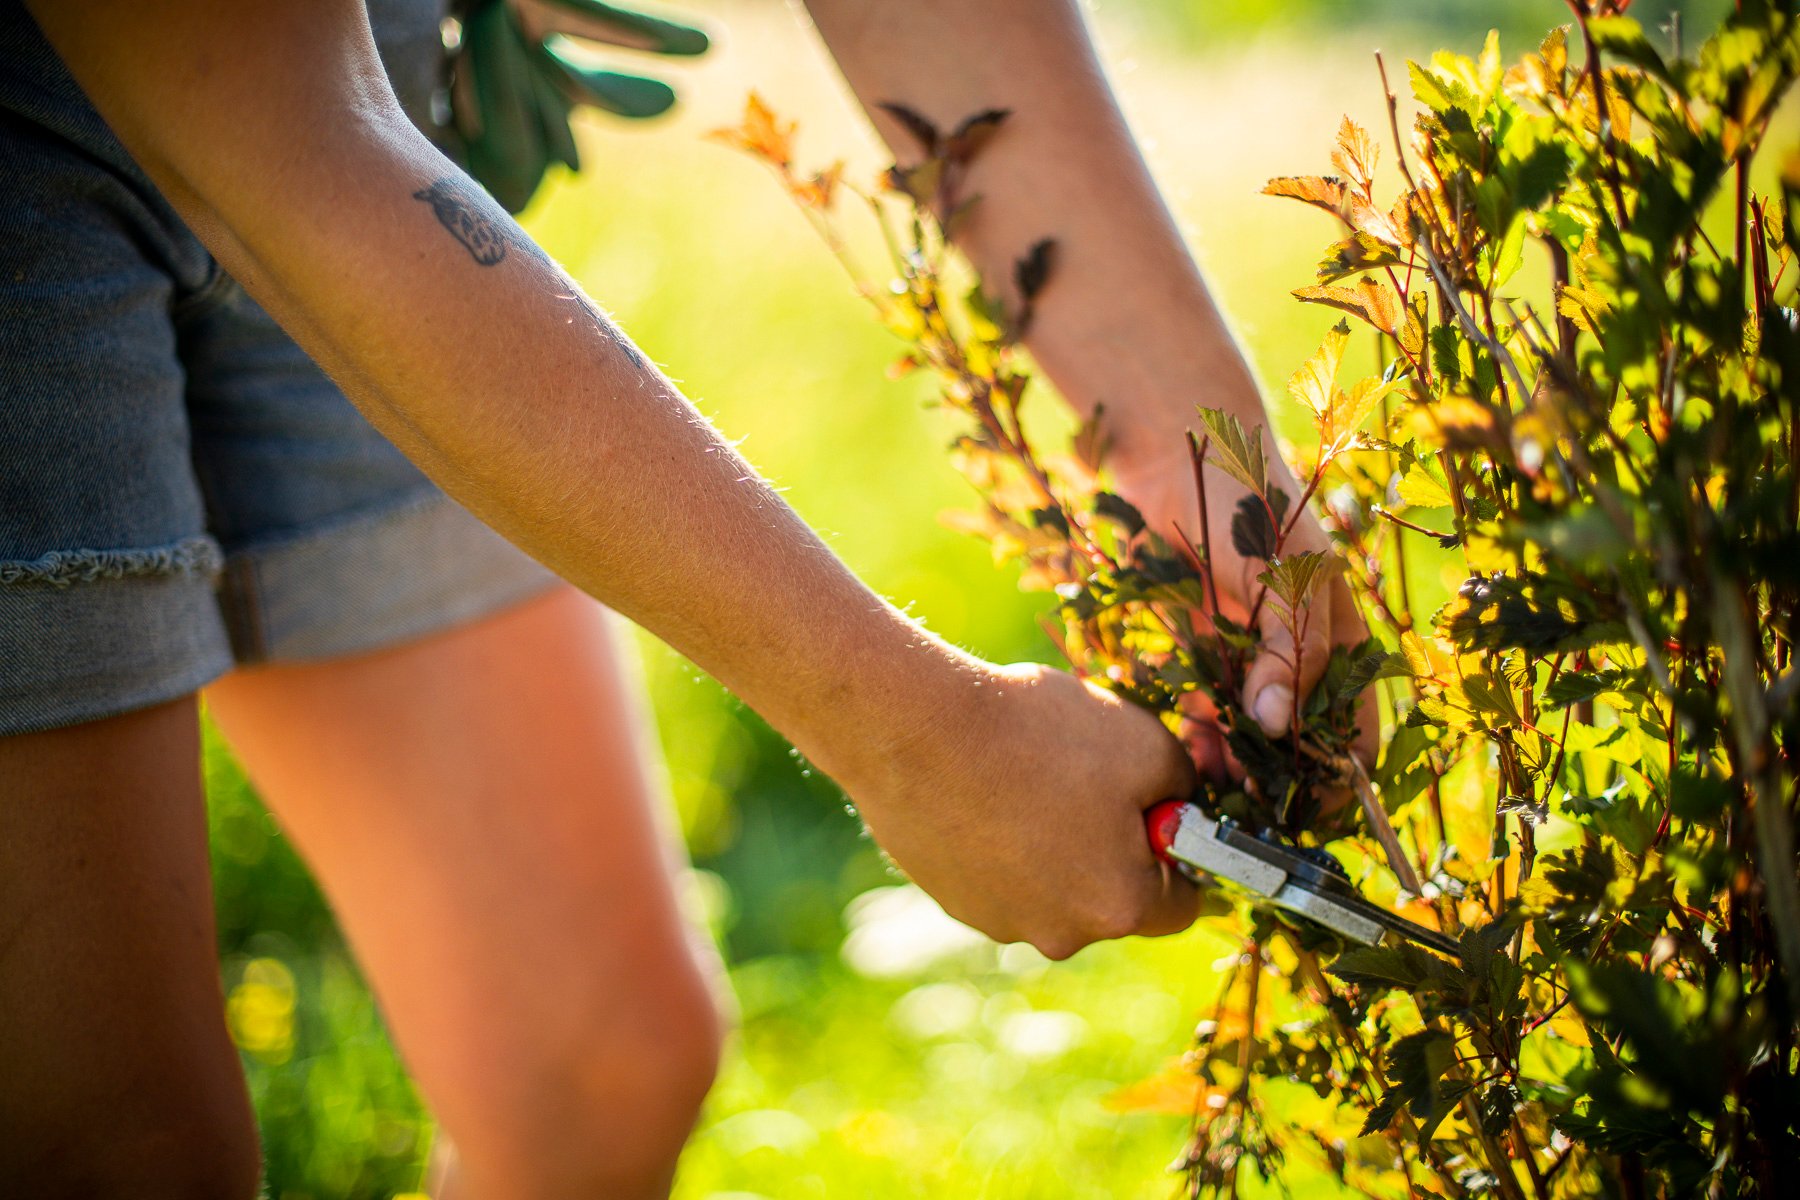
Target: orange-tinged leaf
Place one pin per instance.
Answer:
(1320, 191)
(1461, 422)
(818, 190)
(761, 134)
(1400, 217)
(1356, 155)
(976, 522)
(1373, 302)
(1174, 1090)
(1371, 222)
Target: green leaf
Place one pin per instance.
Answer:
(1539, 174)
(1383, 1114)
(1238, 454)
(1384, 967)
(1481, 945)
(1294, 577)
(1440, 1103)
(1525, 612)
(1574, 687)
(1446, 343)
(1624, 38)
(1120, 512)
(1032, 271)
(1698, 798)
(1496, 1106)
(1253, 533)
(1492, 696)
(1378, 664)
(1659, 1024)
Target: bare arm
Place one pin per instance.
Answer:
(1013, 794)
(1126, 321)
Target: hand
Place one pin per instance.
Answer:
(1021, 811)
(1155, 473)
(513, 86)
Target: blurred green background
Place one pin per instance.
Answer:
(883, 1051)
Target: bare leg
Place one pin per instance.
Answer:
(117, 1077)
(478, 807)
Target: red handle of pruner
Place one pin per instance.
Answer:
(1161, 821)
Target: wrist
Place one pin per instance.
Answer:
(902, 711)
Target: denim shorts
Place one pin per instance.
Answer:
(181, 488)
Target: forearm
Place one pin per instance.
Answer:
(486, 365)
(1126, 320)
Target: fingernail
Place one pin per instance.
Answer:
(1273, 708)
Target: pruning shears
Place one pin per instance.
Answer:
(1308, 882)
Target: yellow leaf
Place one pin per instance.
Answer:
(1420, 489)
(1316, 380)
(1350, 410)
(1569, 1026)
(1555, 50)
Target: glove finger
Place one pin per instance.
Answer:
(626, 95)
(602, 22)
(553, 109)
(509, 156)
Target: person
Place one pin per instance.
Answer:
(234, 193)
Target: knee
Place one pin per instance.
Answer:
(605, 1107)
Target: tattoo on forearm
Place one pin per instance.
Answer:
(458, 207)
(461, 214)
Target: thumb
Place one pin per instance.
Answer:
(1170, 904)
(1284, 671)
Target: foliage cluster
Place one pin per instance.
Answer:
(1586, 396)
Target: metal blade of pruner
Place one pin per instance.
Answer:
(1308, 884)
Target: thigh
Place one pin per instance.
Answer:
(115, 1066)
(480, 807)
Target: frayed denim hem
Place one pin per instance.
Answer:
(198, 555)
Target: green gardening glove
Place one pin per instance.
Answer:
(514, 84)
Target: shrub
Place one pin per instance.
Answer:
(1588, 771)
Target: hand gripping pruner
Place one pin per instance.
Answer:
(1308, 882)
